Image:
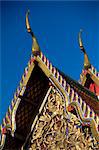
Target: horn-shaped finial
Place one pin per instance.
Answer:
(35, 46)
(86, 59)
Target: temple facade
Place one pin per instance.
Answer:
(50, 110)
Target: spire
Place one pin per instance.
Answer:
(86, 59)
(35, 46)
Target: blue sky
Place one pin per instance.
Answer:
(56, 26)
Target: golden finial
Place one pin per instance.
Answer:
(35, 46)
(86, 59)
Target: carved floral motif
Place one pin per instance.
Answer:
(58, 130)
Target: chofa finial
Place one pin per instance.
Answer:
(35, 46)
(86, 59)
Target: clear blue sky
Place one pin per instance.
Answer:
(56, 26)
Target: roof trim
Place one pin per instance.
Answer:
(52, 73)
(87, 120)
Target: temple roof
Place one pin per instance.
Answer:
(75, 83)
(32, 90)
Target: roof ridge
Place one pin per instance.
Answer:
(58, 77)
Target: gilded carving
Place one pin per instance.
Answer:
(56, 130)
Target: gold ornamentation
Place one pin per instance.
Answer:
(13, 116)
(86, 59)
(3, 137)
(55, 130)
(86, 120)
(35, 45)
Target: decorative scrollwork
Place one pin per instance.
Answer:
(55, 130)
